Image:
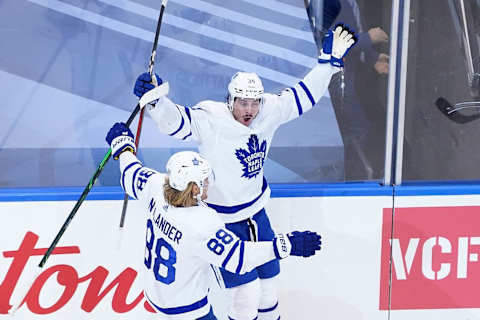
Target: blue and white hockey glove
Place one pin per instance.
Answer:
(302, 244)
(120, 139)
(326, 52)
(143, 84)
(336, 45)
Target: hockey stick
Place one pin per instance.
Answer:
(140, 119)
(70, 216)
(453, 112)
(137, 141)
(125, 197)
(159, 91)
(105, 158)
(150, 96)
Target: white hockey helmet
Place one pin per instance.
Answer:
(244, 85)
(188, 166)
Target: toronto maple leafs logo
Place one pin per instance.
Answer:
(252, 159)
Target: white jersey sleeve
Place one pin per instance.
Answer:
(222, 248)
(177, 121)
(294, 101)
(134, 177)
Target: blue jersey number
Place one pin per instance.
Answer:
(167, 262)
(218, 246)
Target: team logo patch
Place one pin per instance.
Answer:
(252, 159)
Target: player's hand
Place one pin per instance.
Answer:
(144, 84)
(336, 45)
(377, 35)
(381, 65)
(343, 40)
(120, 139)
(302, 244)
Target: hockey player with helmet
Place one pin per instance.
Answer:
(184, 236)
(240, 130)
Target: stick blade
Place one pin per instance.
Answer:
(449, 111)
(154, 94)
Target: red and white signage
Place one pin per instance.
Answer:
(95, 272)
(68, 280)
(434, 258)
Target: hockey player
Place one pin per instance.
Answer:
(184, 236)
(235, 136)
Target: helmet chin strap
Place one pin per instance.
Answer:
(198, 197)
(230, 101)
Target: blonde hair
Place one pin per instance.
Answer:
(177, 198)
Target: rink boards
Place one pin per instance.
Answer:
(427, 269)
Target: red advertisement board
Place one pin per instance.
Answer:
(434, 258)
(67, 278)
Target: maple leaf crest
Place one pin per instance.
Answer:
(252, 158)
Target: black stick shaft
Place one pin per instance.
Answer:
(137, 141)
(140, 120)
(155, 41)
(107, 155)
(124, 210)
(83, 195)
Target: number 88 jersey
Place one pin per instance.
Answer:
(180, 245)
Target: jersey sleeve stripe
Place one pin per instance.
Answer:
(188, 135)
(269, 309)
(240, 258)
(309, 94)
(187, 111)
(177, 310)
(235, 209)
(297, 100)
(181, 125)
(230, 254)
(216, 272)
(133, 182)
(125, 170)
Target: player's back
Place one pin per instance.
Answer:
(177, 278)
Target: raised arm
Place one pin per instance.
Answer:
(302, 97)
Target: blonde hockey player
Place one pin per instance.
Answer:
(184, 236)
(235, 136)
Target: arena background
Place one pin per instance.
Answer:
(397, 210)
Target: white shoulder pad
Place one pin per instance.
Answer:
(213, 108)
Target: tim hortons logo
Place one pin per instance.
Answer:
(68, 278)
(434, 258)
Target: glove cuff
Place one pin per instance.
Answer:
(282, 246)
(336, 62)
(324, 57)
(121, 144)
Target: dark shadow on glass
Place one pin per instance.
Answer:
(359, 99)
(442, 91)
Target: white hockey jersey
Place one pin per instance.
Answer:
(181, 244)
(237, 153)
